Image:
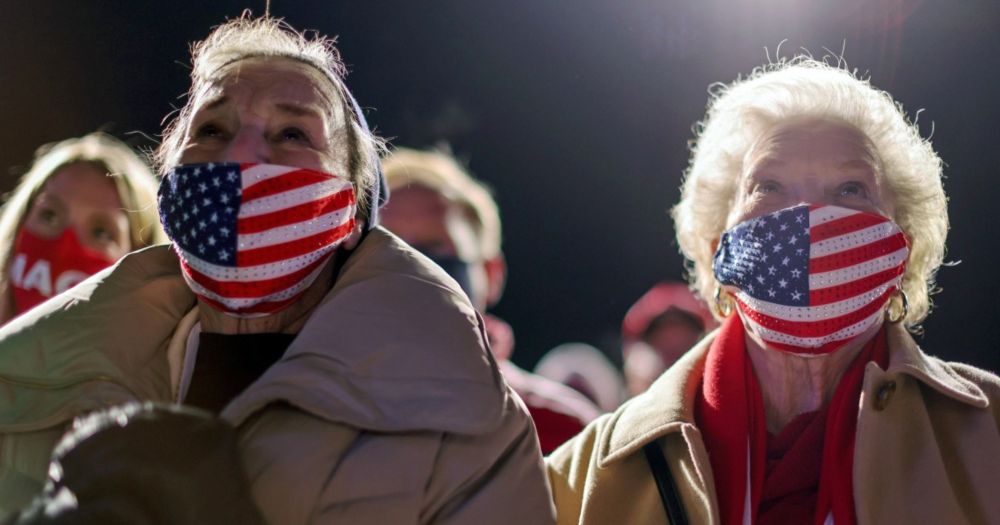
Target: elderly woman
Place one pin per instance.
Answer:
(814, 216)
(84, 203)
(354, 370)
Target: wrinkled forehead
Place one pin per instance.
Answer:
(803, 138)
(288, 80)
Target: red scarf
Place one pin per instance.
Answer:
(730, 414)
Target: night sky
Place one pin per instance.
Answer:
(576, 112)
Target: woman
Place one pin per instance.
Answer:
(84, 204)
(814, 216)
(354, 370)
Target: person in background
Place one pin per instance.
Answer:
(354, 371)
(585, 369)
(84, 204)
(814, 215)
(663, 324)
(450, 217)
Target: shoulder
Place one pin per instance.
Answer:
(572, 466)
(987, 382)
(573, 456)
(394, 346)
(386, 285)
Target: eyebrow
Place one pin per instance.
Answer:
(216, 103)
(290, 108)
(856, 164)
(298, 110)
(48, 198)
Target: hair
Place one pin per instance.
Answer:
(440, 172)
(803, 88)
(267, 37)
(133, 180)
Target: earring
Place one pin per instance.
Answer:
(723, 302)
(895, 315)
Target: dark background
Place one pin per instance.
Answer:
(577, 112)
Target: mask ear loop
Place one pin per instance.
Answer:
(904, 307)
(723, 302)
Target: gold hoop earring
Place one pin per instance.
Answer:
(723, 303)
(896, 315)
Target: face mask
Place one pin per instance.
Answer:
(253, 237)
(811, 278)
(41, 268)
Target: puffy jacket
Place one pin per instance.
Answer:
(386, 408)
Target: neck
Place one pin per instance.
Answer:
(792, 384)
(287, 321)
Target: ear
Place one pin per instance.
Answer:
(352, 240)
(496, 278)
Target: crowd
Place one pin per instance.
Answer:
(290, 323)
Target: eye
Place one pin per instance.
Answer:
(102, 234)
(767, 186)
(48, 216)
(209, 130)
(853, 189)
(293, 134)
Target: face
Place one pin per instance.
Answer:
(272, 111)
(82, 197)
(671, 339)
(437, 227)
(816, 162)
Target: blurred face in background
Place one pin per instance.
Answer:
(442, 230)
(76, 226)
(669, 336)
(81, 198)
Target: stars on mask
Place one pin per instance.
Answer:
(745, 250)
(200, 204)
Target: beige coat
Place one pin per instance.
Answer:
(386, 408)
(927, 448)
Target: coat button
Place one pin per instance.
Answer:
(884, 394)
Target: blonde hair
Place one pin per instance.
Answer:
(267, 37)
(441, 173)
(135, 184)
(804, 88)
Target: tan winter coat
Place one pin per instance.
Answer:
(927, 448)
(386, 408)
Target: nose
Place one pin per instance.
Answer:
(249, 144)
(808, 190)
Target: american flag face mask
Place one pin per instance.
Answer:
(252, 237)
(811, 278)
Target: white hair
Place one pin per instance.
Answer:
(804, 88)
(267, 37)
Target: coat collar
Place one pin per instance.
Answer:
(668, 405)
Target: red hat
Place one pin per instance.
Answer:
(658, 300)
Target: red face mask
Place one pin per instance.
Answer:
(42, 268)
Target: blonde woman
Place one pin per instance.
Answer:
(84, 203)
